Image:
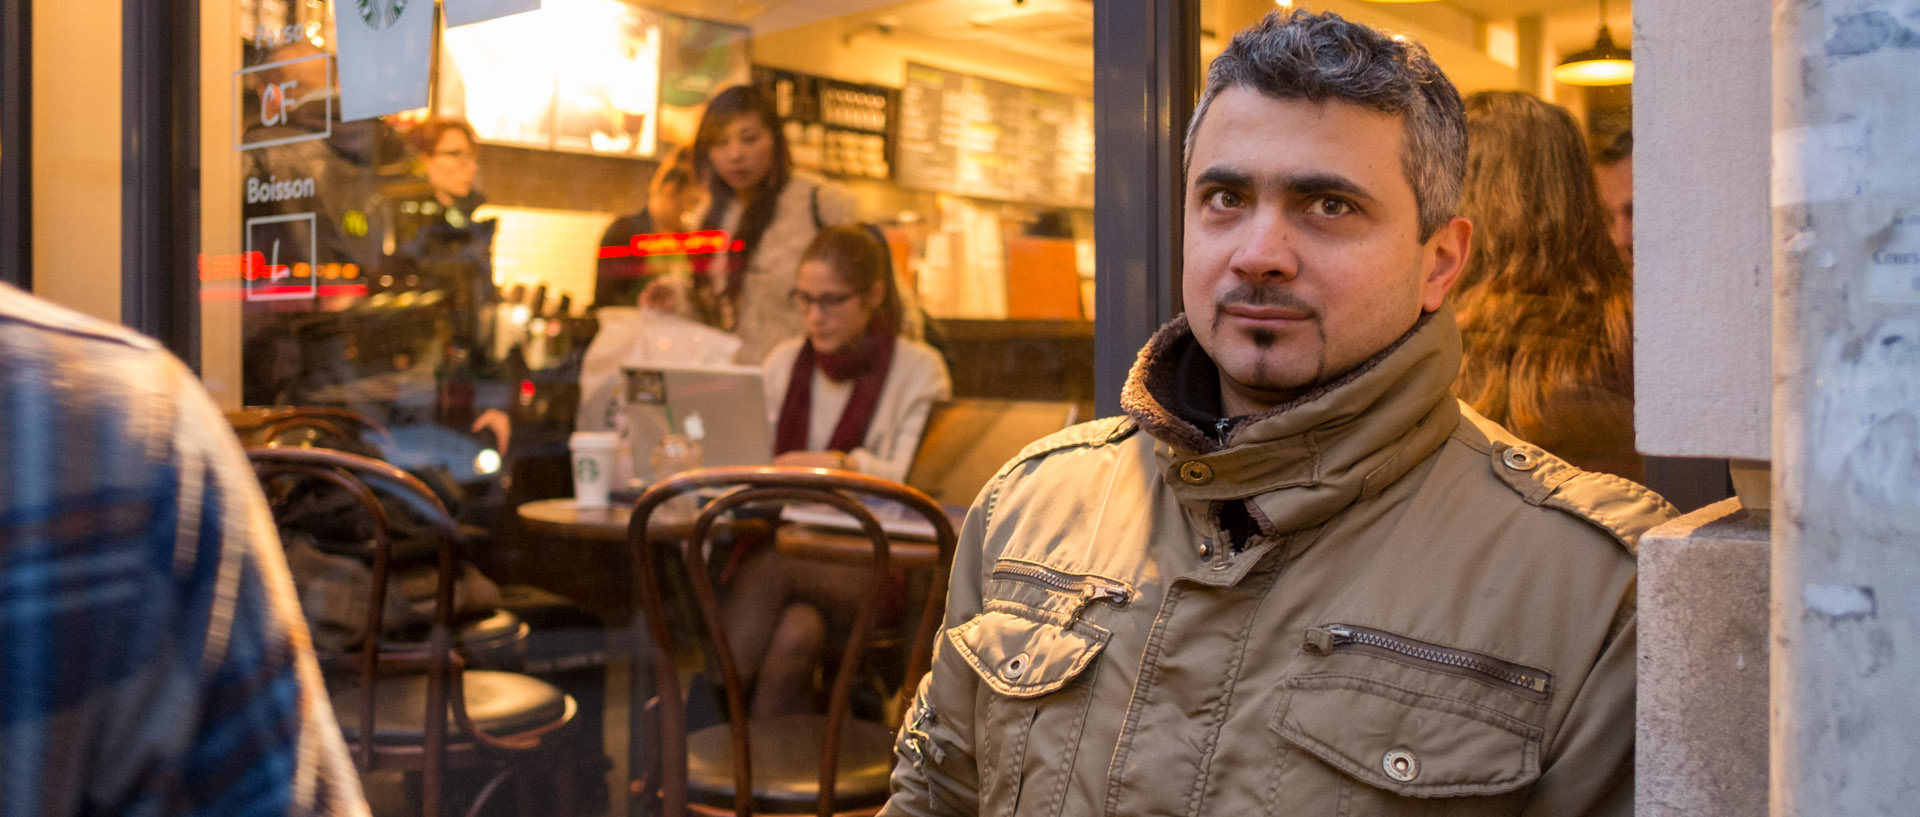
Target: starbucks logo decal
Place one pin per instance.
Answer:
(379, 14)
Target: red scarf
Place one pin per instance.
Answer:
(864, 361)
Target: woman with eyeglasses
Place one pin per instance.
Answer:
(441, 246)
(852, 394)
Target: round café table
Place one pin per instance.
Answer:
(606, 529)
(564, 517)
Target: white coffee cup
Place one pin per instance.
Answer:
(593, 466)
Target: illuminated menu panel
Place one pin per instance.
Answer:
(980, 137)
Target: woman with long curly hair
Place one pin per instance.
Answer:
(1545, 304)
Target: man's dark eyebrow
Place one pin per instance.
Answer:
(1306, 183)
(1224, 176)
(1299, 184)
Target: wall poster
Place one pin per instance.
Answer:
(578, 75)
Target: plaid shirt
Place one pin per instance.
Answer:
(152, 656)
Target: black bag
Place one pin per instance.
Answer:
(329, 543)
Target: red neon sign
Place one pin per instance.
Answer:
(253, 266)
(705, 242)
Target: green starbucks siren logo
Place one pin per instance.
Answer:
(587, 470)
(379, 14)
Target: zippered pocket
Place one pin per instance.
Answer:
(1331, 638)
(1083, 588)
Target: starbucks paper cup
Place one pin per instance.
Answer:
(593, 467)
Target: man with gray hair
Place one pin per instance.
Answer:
(1297, 577)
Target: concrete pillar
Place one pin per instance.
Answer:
(1846, 408)
(1703, 291)
(1703, 278)
(1701, 731)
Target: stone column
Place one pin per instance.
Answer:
(1700, 742)
(1846, 408)
(1702, 296)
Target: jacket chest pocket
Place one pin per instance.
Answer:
(1383, 725)
(1033, 702)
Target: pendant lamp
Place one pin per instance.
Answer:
(1603, 64)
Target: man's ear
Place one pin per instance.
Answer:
(1445, 257)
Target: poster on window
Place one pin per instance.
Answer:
(385, 51)
(463, 12)
(580, 75)
(699, 58)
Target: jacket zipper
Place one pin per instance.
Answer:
(1086, 589)
(1331, 637)
(1221, 428)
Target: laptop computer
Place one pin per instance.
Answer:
(722, 406)
(965, 443)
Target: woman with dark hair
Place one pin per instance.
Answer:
(771, 213)
(1545, 304)
(851, 394)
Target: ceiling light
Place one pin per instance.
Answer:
(1603, 64)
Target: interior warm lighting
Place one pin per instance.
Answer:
(1595, 72)
(1285, 4)
(1403, 1)
(1603, 64)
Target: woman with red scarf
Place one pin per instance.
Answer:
(851, 394)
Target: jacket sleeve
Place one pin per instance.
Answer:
(1590, 768)
(934, 771)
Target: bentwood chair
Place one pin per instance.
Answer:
(324, 426)
(417, 708)
(831, 764)
(491, 639)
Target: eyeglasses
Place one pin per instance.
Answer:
(802, 301)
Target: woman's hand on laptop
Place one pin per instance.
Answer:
(815, 459)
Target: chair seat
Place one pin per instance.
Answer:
(786, 764)
(495, 641)
(499, 703)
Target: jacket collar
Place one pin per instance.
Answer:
(1299, 463)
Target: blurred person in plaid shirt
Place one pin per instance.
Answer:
(152, 656)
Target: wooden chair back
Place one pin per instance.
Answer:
(740, 486)
(410, 706)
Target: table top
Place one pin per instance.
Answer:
(837, 546)
(565, 517)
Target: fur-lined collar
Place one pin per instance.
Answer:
(1349, 436)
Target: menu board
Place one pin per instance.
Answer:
(980, 137)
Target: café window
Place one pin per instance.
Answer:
(437, 209)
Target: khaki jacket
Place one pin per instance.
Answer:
(1433, 617)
